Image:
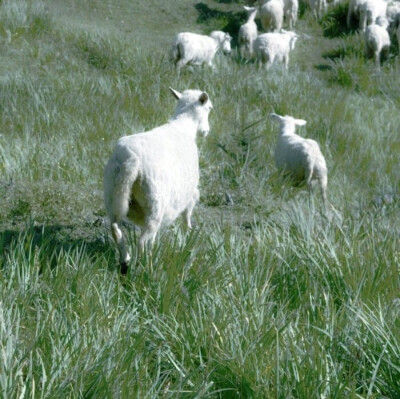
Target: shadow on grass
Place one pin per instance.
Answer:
(46, 244)
(227, 21)
(334, 22)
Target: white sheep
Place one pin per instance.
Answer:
(298, 157)
(274, 46)
(318, 7)
(371, 10)
(291, 8)
(393, 12)
(354, 11)
(196, 49)
(271, 15)
(152, 177)
(377, 40)
(248, 33)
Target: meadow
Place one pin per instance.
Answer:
(265, 298)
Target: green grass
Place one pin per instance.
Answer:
(268, 298)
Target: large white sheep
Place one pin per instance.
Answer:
(271, 15)
(152, 177)
(248, 33)
(371, 10)
(291, 9)
(298, 157)
(273, 46)
(377, 40)
(354, 12)
(196, 49)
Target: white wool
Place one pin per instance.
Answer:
(290, 9)
(299, 157)
(370, 11)
(152, 177)
(271, 15)
(274, 46)
(377, 40)
(196, 49)
(248, 33)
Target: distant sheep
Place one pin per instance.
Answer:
(377, 40)
(291, 9)
(195, 49)
(273, 46)
(299, 157)
(271, 15)
(152, 177)
(371, 10)
(393, 12)
(318, 7)
(248, 33)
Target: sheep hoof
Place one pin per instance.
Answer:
(123, 268)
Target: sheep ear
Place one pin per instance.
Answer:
(203, 98)
(175, 93)
(300, 122)
(275, 116)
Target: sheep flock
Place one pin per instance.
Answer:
(152, 178)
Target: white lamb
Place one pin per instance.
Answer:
(371, 10)
(354, 11)
(298, 157)
(377, 40)
(274, 46)
(195, 49)
(291, 8)
(152, 177)
(271, 15)
(248, 33)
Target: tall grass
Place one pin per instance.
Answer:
(268, 298)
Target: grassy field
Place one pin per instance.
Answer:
(268, 298)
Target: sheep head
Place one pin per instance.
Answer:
(197, 105)
(287, 121)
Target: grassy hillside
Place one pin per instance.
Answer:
(268, 298)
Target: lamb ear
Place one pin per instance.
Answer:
(300, 122)
(203, 98)
(176, 94)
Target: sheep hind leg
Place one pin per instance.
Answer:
(309, 175)
(147, 239)
(119, 239)
(323, 186)
(187, 213)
